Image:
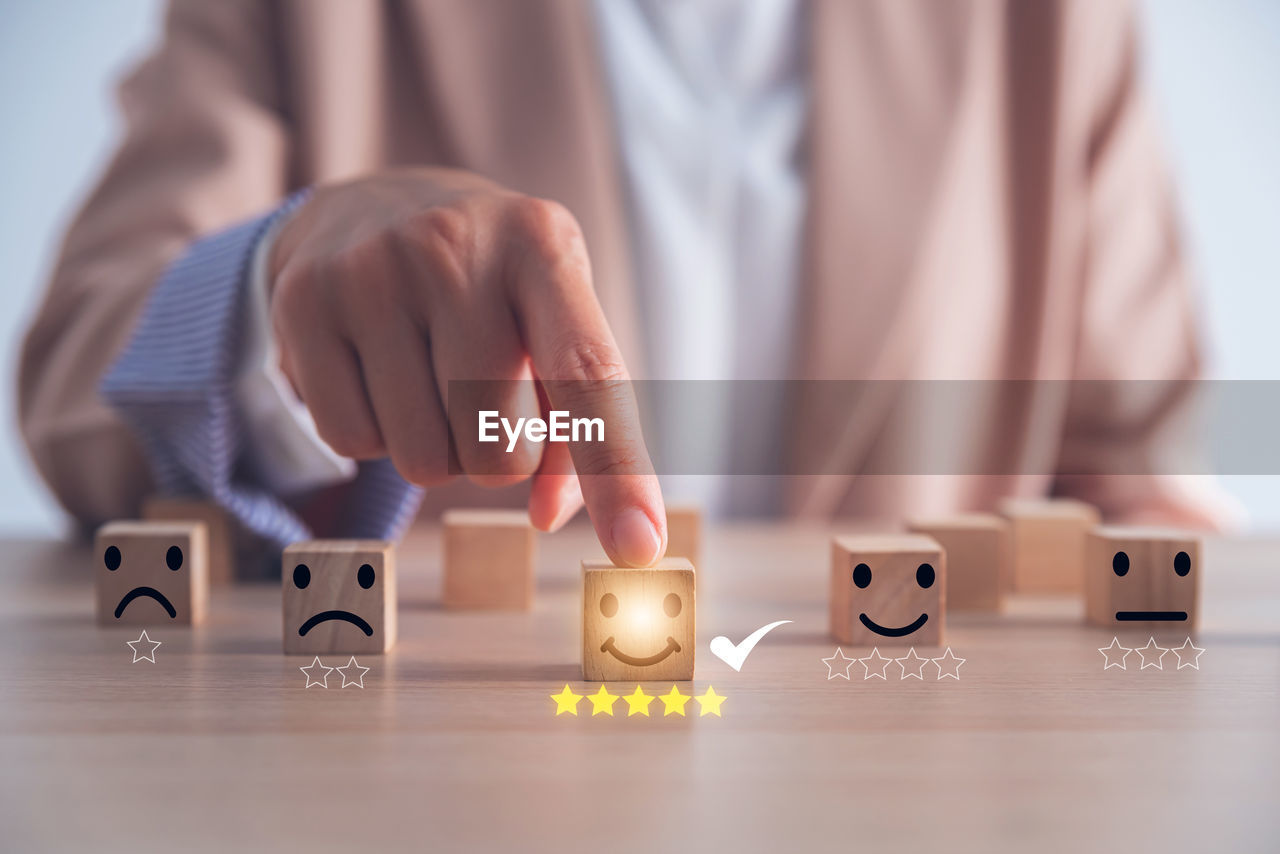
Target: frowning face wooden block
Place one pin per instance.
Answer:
(638, 624)
(151, 573)
(339, 597)
(1142, 577)
(888, 589)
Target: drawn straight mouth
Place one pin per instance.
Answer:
(146, 591)
(608, 647)
(893, 633)
(325, 616)
(1161, 616)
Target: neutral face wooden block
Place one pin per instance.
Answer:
(488, 560)
(221, 544)
(638, 624)
(151, 573)
(1142, 577)
(684, 533)
(979, 553)
(339, 597)
(1048, 543)
(888, 589)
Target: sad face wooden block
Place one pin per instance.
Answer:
(1142, 577)
(339, 597)
(638, 624)
(151, 573)
(888, 589)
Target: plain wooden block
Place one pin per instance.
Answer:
(1048, 543)
(888, 589)
(339, 597)
(638, 624)
(151, 573)
(684, 533)
(979, 553)
(221, 545)
(1142, 577)
(488, 560)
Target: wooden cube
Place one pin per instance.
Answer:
(638, 624)
(888, 589)
(221, 543)
(979, 555)
(1142, 577)
(684, 533)
(1048, 543)
(339, 597)
(152, 573)
(488, 559)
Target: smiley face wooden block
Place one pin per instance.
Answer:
(151, 573)
(638, 624)
(339, 597)
(1142, 577)
(888, 589)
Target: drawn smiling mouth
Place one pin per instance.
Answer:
(146, 591)
(325, 616)
(608, 647)
(1160, 616)
(893, 633)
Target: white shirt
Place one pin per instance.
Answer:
(709, 100)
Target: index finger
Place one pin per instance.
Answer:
(577, 360)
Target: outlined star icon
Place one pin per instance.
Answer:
(838, 665)
(567, 701)
(952, 665)
(602, 702)
(144, 648)
(1149, 657)
(1188, 654)
(710, 703)
(356, 680)
(912, 665)
(674, 701)
(1115, 654)
(879, 659)
(316, 666)
(638, 702)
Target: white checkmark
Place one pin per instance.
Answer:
(734, 656)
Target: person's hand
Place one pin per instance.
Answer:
(385, 288)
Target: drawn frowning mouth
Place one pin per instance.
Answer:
(608, 647)
(890, 632)
(325, 616)
(146, 591)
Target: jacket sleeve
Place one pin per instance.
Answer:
(1129, 445)
(206, 145)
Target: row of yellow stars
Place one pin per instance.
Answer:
(638, 701)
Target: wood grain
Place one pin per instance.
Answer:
(453, 744)
(488, 560)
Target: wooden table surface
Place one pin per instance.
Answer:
(453, 741)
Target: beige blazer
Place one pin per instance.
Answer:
(986, 201)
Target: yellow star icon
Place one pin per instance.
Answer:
(566, 701)
(638, 702)
(710, 703)
(602, 701)
(674, 701)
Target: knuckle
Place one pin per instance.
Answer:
(578, 359)
(605, 460)
(548, 231)
(441, 242)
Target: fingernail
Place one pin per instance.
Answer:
(635, 539)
